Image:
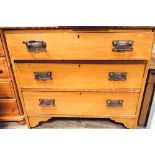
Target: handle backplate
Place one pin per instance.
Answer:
(122, 45)
(117, 76)
(47, 102)
(35, 46)
(115, 103)
(43, 75)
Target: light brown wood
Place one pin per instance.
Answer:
(1, 47)
(8, 107)
(152, 62)
(10, 118)
(21, 103)
(141, 93)
(79, 76)
(75, 45)
(80, 88)
(128, 122)
(6, 89)
(34, 120)
(4, 73)
(81, 103)
(146, 99)
(22, 122)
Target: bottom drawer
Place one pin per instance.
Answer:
(81, 103)
(8, 107)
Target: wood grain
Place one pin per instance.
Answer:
(34, 120)
(81, 103)
(4, 72)
(146, 99)
(80, 89)
(1, 47)
(141, 94)
(6, 89)
(79, 76)
(66, 45)
(8, 107)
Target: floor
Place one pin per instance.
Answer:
(65, 123)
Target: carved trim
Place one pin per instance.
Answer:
(34, 121)
(127, 122)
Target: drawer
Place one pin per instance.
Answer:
(80, 103)
(8, 107)
(1, 47)
(4, 72)
(74, 45)
(79, 76)
(6, 89)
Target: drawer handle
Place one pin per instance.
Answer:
(47, 102)
(1, 71)
(122, 45)
(34, 46)
(115, 103)
(117, 76)
(43, 76)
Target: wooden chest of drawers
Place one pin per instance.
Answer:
(80, 73)
(10, 106)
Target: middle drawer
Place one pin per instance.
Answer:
(79, 76)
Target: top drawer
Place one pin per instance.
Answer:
(73, 45)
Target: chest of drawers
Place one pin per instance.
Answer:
(80, 73)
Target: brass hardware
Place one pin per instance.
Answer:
(122, 45)
(115, 103)
(117, 76)
(43, 75)
(47, 102)
(35, 46)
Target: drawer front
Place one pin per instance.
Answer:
(8, 107)
(69, 45)
(6, 89)
(79, 76)
(1, 48)
(4, 72)
(80, 103)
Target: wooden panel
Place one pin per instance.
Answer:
(74, 45)
(1, 48)
(4, 73)
(79, 76)
(80, 103)
(147, 98)
(128, 122)
(152, 62)
(8, 107)
(6, 89)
